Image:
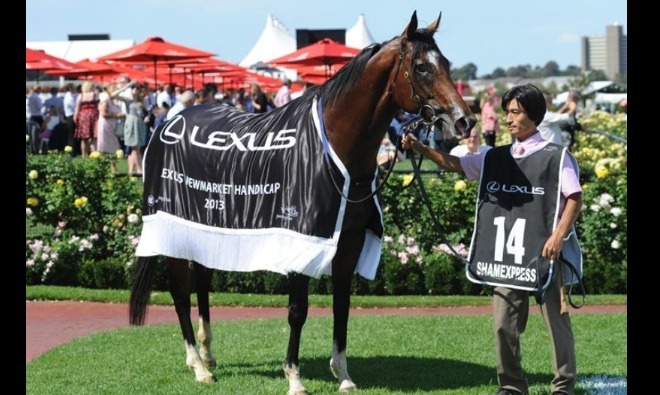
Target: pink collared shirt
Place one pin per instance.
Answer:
(472, 165)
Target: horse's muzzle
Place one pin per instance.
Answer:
(463, 126)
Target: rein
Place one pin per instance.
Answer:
(407, 128)
(358, 182)
(415, 122)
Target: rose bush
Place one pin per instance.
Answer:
(79, 213)
(93, 217)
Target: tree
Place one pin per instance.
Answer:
(465, 73)
(572, 70)
(518, 71)
(499, 73)
(551, 69)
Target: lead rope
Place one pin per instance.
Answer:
(425, 197)
(567, 296)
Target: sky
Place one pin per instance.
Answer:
(487, 33)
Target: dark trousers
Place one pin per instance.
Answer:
(38, 119)
(70, 140)
(489, 137)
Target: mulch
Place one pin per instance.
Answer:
(51, 323)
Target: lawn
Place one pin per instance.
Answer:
(386, 355)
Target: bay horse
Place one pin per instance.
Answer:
(292, 191)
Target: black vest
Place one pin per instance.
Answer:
(517, 210)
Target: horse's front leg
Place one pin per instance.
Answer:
(298, 307)
(203, 276)
(343, 267)
(179, 277)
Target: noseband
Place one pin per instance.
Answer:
(413, 95)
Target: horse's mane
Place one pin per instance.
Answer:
(339, 84)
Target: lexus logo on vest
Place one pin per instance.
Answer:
(494, 187)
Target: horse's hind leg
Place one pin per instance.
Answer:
(203, 276)
(179, 275)
(341, 300)
(298, 307)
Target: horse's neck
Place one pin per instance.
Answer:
(356, 124)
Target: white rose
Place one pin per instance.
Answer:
(615, 211)
(605, 199)
(616, 244)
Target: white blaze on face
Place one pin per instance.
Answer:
(433, 57)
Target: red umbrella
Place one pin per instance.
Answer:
(325, 52)
(39, 60)
(88, 69)
(154, 50)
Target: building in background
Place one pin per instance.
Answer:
(607, 53)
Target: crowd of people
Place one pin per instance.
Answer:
(558, 126)
(122, 115)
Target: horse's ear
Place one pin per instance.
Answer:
(412, 26)
(433, 27)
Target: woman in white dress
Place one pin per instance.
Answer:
(109, 113)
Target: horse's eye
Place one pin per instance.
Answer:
(423, 68)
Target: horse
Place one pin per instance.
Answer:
(292, 191)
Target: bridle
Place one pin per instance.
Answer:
(423, 104)
(419, 118)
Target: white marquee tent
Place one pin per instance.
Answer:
(358, 36)
(274, 41)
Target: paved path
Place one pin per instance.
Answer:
(49, 324)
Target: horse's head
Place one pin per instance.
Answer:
(422, 82)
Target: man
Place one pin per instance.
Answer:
(571, 108)
(165, 95)
(186, 100)
(34, 104)
(550, 127)
(283, 95)
(471, 145)
(69, 103)
(53, 101)
(490, 123)
(212, 90)
(202, 96)
(528, 157)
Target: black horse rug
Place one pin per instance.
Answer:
(238, 191)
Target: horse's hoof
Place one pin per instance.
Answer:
(347, 386)
(210, 363)
(298, 392)
(206, 379)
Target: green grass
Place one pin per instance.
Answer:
(406, 164)
(451, 355)
(47, 292)
(386, 354)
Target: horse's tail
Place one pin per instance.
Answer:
(141, 289)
